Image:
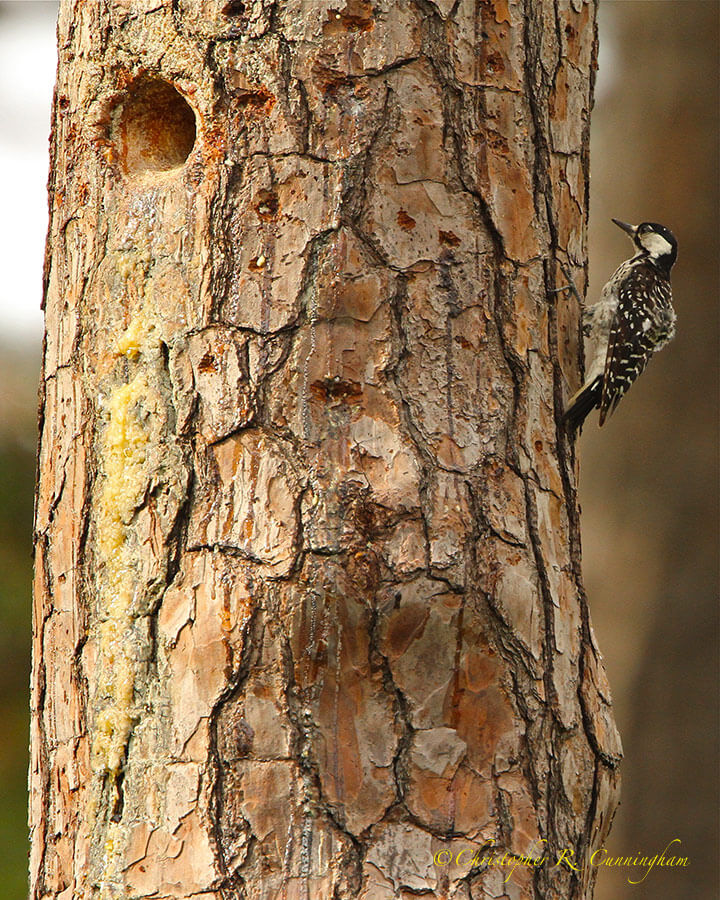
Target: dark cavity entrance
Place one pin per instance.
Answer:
(153, 127)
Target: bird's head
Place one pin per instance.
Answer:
(656, 242)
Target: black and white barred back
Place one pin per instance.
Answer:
(644, 322)
(633, 320)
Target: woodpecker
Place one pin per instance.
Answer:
(633, 319)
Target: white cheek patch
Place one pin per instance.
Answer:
(655, 244)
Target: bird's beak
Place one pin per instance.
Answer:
(630, 229)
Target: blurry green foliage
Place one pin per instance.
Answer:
(17, 474)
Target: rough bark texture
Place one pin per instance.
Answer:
(308, 606)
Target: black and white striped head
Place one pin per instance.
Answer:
(654, 242)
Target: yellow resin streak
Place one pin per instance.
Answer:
(124, 452)
(127, 456)
(125, 477)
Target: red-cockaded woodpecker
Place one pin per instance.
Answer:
(633, 319)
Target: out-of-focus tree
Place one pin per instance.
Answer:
(18, 388)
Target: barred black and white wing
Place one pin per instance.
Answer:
(644, 322)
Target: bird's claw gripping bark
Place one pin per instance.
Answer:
(570, 286)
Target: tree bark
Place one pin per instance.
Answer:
(309, 618)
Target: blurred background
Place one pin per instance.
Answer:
(649, 479)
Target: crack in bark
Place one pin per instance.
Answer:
(252, 642)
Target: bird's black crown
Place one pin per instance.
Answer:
(654, 242)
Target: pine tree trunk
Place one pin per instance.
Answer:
(309, 619)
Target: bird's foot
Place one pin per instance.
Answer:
(570, 286)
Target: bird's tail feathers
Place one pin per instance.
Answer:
(582, 403)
